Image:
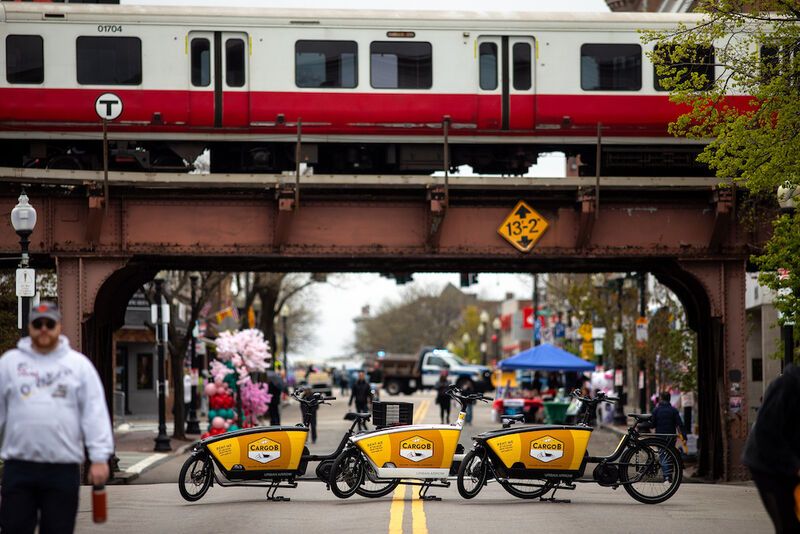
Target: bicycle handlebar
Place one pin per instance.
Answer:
(600, 397)
(458, 394)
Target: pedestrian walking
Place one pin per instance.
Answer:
(275, 387)
(344, 381)
(442, 398)
(772, 451)
(361, 393)
(52, 405)
(666, 419)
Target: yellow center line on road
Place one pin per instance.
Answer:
(397, 510)
(418, 520)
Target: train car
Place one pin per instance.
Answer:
(364, 91)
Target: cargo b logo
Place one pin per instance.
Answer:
(547, 449)
(416, 449)
(264, 450)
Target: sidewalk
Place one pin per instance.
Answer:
(134, 442)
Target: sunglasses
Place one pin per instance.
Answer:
(37, 324)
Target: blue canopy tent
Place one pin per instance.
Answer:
(546, 357)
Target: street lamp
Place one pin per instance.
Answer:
(23, 219)
(787, 195)
(465, 339)
(483, 329)
(192, 424)
(160, 315)
(284, 317)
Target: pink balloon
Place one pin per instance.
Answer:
(218, 380)
(227, 424)
(218, 422)
(211, 390)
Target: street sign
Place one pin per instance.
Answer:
(523, 227)
(585, 331)
(108, 106)
(26, 282)
(587, 350)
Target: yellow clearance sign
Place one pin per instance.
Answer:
(561, 449)
(261, 451)
(523, 227)
(432, 448)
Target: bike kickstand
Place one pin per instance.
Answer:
(276, 498)
(552, 498)
(423, 493)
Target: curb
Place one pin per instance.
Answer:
(152, 461)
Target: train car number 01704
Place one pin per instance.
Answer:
(109, 28)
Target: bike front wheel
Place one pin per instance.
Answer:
(374, 487)
(526, 489)
(347, 474)
(472, 474)
(650, 472)
(195, 477)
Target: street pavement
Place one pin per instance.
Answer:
(151, 502)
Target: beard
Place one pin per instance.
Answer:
(45, 342)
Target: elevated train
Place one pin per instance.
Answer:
(374, 91)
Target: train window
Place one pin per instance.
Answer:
(396, 65)
(488, 66)
(326, 64)
(24, 59)
(611, 67)
(234, 62)
(109, 60)
(201, 62)
(698, 60)
(521, 55)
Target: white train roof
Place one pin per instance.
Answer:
(249, 16)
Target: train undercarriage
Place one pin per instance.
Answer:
(347, 158)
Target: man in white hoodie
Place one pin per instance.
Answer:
(52, 404)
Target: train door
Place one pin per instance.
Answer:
(506, 82)
(219, 84)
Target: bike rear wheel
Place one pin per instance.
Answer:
(472, 474)
(650, 472)
(347, 474)
(526, 488)
(195, 477)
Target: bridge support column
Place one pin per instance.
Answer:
(79, 280)
(722, 369)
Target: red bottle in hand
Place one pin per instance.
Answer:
(99, 503)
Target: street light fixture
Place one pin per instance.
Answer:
(192, 424)
(483, 329)
(465, 339)
(23, 219)
(497, 324)
(160, 316)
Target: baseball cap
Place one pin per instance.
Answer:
(45, 309)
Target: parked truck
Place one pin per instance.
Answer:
(409, 373)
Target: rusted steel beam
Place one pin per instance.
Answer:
(94, 220)
(287, 203)
(437, 200)
(588, 206)
(724, 200)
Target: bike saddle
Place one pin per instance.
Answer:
(640, 416)
(515, 417)
(362, 416)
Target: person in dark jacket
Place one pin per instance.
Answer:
(309, 414)
(442, 398)
(361, 394)
(275, 387)
(666, 418)
(772, 451)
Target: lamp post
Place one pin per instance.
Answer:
(192, 424)
(465, 339)
(284, 331)
(23, 219)
(161, 312)
(786, 199)
(483, 329)
(496, 325)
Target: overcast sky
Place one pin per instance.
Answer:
(339, 305)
